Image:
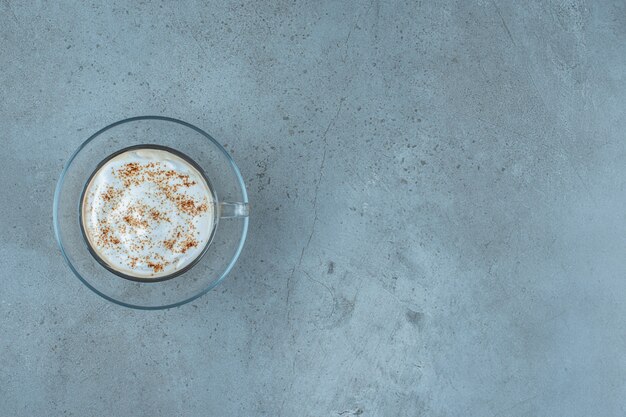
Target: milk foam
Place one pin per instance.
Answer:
(148, 213)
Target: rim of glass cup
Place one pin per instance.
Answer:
(175, 273)
(59, 238)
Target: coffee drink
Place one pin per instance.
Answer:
(148, 213)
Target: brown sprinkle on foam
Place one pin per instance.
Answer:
(188, 243)
(110, 194)
(106, 237)
(156, 267)
(135, 222)
(157, 216)
(169, 182)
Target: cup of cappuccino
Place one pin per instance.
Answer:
(162, 212)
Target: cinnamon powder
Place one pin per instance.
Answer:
(168, 182)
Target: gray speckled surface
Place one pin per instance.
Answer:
(438, 196)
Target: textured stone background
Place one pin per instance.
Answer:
(438, 193)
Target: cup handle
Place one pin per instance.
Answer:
(231, 210)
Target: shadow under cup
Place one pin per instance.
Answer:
(230, 197)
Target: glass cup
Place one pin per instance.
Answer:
(231, 202)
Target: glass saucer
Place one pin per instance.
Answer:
(217, 165)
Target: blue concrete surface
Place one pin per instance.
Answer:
(438, 193)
